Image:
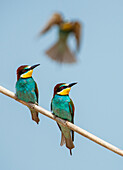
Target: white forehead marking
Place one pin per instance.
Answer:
(28, 66)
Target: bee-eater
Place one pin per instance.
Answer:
(63, 107)
(26, 88)
(60, 51)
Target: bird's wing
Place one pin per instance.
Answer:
(56, 19)
(36, 91)
(51, 105)
(51, 110)
(72, 109)
(77, 33)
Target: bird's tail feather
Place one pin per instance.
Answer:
(68, 141)
(35, 116)
(61, 53)
(62, 139)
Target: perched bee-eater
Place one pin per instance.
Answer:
(60, 51)
(26, 87)
(63, 107)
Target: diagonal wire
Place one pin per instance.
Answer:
(64, 123)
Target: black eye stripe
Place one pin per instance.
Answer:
(58, 90)
(61, 88)
(23, 71)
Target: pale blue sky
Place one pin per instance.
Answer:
(98, 96)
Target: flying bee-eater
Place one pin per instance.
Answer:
(60, 52)
(63, 107)
(26, 88)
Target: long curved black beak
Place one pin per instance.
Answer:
(72, 84)
(32, 67)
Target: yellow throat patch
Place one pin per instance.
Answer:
(64, 91)
(67, 26)
(27, 74)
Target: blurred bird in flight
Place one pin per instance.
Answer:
(60, 52)
(26, 88)
(63, 107)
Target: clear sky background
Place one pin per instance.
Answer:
(98, 96)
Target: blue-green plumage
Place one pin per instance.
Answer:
(26, 90)
(63, 107)
(63, 35)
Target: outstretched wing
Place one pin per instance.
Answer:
(72, 109)
(77, 33)
(56, 19)
(36, 91)
(51, 110)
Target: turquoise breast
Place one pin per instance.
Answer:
(25, 90)
(63, 35)
(60, 107)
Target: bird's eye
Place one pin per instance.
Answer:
(23, 71)
(58, 90)
(62, 88)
